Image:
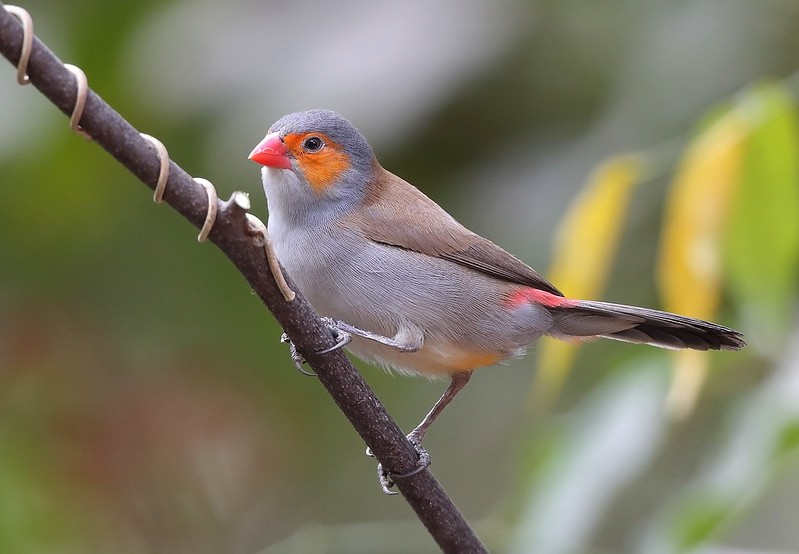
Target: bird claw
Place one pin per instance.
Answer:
(296, 357)
(386, 483)
(387, 479)
(343, 338)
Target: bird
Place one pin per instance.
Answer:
(409, 287)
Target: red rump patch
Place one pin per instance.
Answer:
(529, 294)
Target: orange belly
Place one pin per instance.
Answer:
(433, 360)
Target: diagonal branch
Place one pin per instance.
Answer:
(230, 233)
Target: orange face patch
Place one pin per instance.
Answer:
(322, 168)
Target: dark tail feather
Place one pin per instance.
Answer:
(589, 319)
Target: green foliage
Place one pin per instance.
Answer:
(32, 518)
(788, 439)
(699, 521)
(763, 233)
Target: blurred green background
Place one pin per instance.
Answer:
(146, 404)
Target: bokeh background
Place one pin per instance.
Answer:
(146, 404)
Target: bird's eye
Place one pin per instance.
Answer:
(312, 144)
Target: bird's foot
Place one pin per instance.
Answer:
(343, 338)
(296, 357)
(388, 478)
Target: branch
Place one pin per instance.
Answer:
(230, 233)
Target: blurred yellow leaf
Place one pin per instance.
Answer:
(689, 268)
(585, 246)
(690, 372)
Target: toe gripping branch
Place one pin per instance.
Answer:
(388, 478)
(343, 338)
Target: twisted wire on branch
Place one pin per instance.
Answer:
(243, 239)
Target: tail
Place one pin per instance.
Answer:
(588, 319)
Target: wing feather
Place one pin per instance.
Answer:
(391, 202)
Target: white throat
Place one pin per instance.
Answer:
(292, 203)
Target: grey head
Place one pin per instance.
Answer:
(335, 126)
(322, 182)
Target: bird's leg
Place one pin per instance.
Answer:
(459, 381)
(416, 436)
(407, 339)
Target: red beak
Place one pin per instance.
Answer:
(271, 152)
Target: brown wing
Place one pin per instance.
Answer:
(391, 202)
